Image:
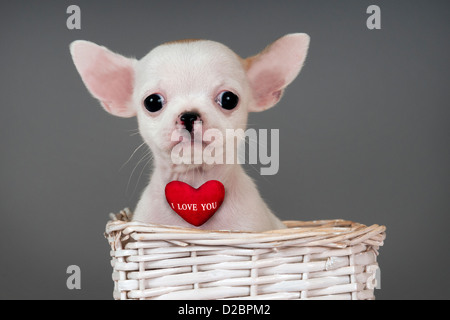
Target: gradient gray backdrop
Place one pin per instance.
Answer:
(364, 132)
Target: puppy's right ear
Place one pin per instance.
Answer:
(108, 76)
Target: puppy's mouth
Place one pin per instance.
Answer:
(191, 136)
(202, 146)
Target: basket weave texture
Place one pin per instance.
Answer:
(328, 259)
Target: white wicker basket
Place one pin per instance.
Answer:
(332, 259)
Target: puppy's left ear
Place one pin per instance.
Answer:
(272, 70)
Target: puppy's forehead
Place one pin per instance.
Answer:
(190, 57)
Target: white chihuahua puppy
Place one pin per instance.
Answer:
(178, 85)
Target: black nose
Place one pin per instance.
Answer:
(188, 119)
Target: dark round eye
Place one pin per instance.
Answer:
(154, 102)
(227, 100)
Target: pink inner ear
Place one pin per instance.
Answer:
(108, 76)
(275, 68)
(267, 87)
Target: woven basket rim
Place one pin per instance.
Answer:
(335, 233)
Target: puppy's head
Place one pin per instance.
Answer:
(189, 86)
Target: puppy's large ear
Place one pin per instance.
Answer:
(272, 70)
(107, 75)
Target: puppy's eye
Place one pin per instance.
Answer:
(227, 100)
(154, 102)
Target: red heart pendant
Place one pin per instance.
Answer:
(196, 206)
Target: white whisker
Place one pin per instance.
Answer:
(143, 143)
(135, 167)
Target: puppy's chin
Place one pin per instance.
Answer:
(192, 145)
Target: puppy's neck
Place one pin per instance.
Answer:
(195, 175)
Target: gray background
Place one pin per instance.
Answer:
(364, 132)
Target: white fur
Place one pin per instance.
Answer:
(190, 75)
